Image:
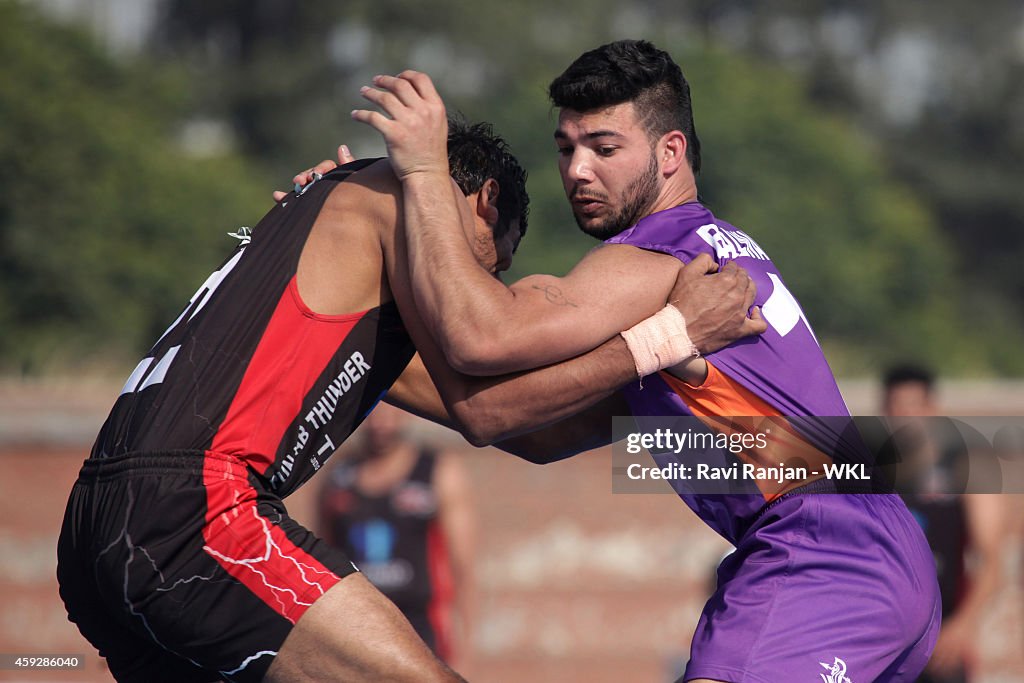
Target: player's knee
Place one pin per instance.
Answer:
(354, 633)
(409, 672)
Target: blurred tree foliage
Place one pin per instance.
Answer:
(106, 226)
(860, 250)
(786, 156)
(939, 86)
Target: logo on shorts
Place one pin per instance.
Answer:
(836, 672)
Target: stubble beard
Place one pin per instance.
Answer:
(638, 198)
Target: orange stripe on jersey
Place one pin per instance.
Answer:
(728, 407)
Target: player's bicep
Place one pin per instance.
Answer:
(613, 288)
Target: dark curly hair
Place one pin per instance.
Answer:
(632, 71)
(476, 153)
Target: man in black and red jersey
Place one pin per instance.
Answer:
(177, 558)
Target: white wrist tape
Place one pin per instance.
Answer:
(659, 342)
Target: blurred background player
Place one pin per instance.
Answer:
(403, 512)
(965, 531)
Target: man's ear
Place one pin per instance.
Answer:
(672, 152)
(487, 201)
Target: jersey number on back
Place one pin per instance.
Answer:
(782, 311)
(151, 371)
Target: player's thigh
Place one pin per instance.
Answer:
(354, 633)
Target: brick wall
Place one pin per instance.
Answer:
(576, 583)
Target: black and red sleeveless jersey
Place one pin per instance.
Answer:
(248, 370)
(396, 540)
(393, 537)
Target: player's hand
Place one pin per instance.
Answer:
(326, 166)
(715, 302)
(414, 123)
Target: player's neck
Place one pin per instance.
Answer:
(679, 189)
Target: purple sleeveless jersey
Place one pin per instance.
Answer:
(784, 367)
(837, 588)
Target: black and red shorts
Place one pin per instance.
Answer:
(182, 566)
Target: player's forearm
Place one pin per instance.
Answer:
(459, 300)
(493, 410)
(591, 428)
(488, 409)
(577, 434)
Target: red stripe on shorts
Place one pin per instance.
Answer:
(252, 549)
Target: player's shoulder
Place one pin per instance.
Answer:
(373, 192)
(363, 208)
(624, 255)
(378, 175)
(367, 191)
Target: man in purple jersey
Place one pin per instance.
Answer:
(838, 588)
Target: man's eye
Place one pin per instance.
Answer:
(606, 151)
(564, 151)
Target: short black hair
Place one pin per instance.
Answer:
(632, 71)
(908, 373)
(476, 153)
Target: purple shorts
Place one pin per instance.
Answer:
(838, 588)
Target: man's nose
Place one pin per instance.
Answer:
(580, 168)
